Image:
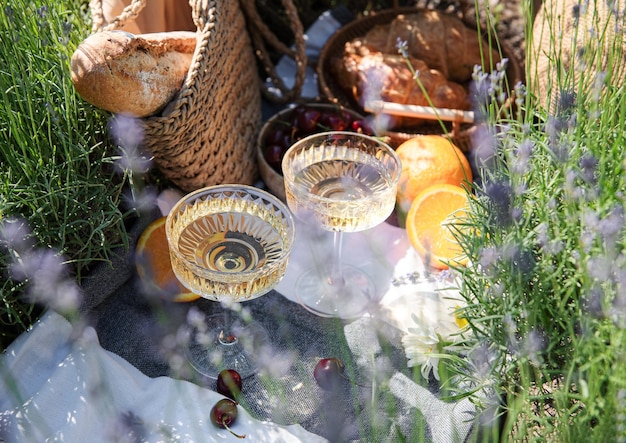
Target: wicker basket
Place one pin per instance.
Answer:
(207, 134)
(329, 87)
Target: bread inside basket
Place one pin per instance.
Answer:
(378, 25)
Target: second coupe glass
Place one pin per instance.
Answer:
(345, 182)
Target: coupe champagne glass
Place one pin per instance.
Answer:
(345, 182)
(228, 243)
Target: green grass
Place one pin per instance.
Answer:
(56, 165)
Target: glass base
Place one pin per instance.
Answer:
(211, 351)
(347, 301)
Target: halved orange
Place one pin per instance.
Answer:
(428, 224)
(428, 160)
(152, 260)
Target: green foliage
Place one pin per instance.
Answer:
(56, 167)
(545, 293)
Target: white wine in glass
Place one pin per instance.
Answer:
(345, 182)
(228, 243)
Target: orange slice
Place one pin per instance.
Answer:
(152, 260)
(428, 224)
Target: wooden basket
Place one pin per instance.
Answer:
(332, 91)
(207, 134)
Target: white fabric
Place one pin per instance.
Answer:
(58, 387)
(405, 290)
(376, 250)
(450, 422)
(385, 252)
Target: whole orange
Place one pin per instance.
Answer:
(428, 160)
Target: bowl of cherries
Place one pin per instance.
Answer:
(294, 123)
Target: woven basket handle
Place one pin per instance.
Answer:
(262, 35)
(200, 9)
(130, 12)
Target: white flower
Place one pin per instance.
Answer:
(418, 347)
(436, 325)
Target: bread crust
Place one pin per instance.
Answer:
(124, 73)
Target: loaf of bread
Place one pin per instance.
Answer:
(125, 73)
(371, 75)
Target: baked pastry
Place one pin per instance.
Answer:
(371, 75)
(441, 40)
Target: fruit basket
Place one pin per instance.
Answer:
(293, 123)
(332, 91)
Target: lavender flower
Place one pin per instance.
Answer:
(9, 13)
(521, 260)
(49, 281)
(67, 30)
(42, 13)
(482, 359)
(521, 161)
(588, 167)
(612, 225)
(534, 346)
(520, 93)
(489, 256)
(486, 89)
(141, 199)
(500, 199)
(43, 270)
(403, 47)
(592, 301)
(486, 146)
(15, 235)
(567, 102)
(127, 428)
(128, 133)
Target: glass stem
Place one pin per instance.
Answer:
(336, 275)
(226, 336)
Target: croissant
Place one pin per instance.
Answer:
(371, 75)
(441, 40)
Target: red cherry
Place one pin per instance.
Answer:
(357, 125)
(307, 120)
(274, 155)
(328, 373)
(275, 135)
(229, 383)
(333, 122)
(223, 414)
(362, 127)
